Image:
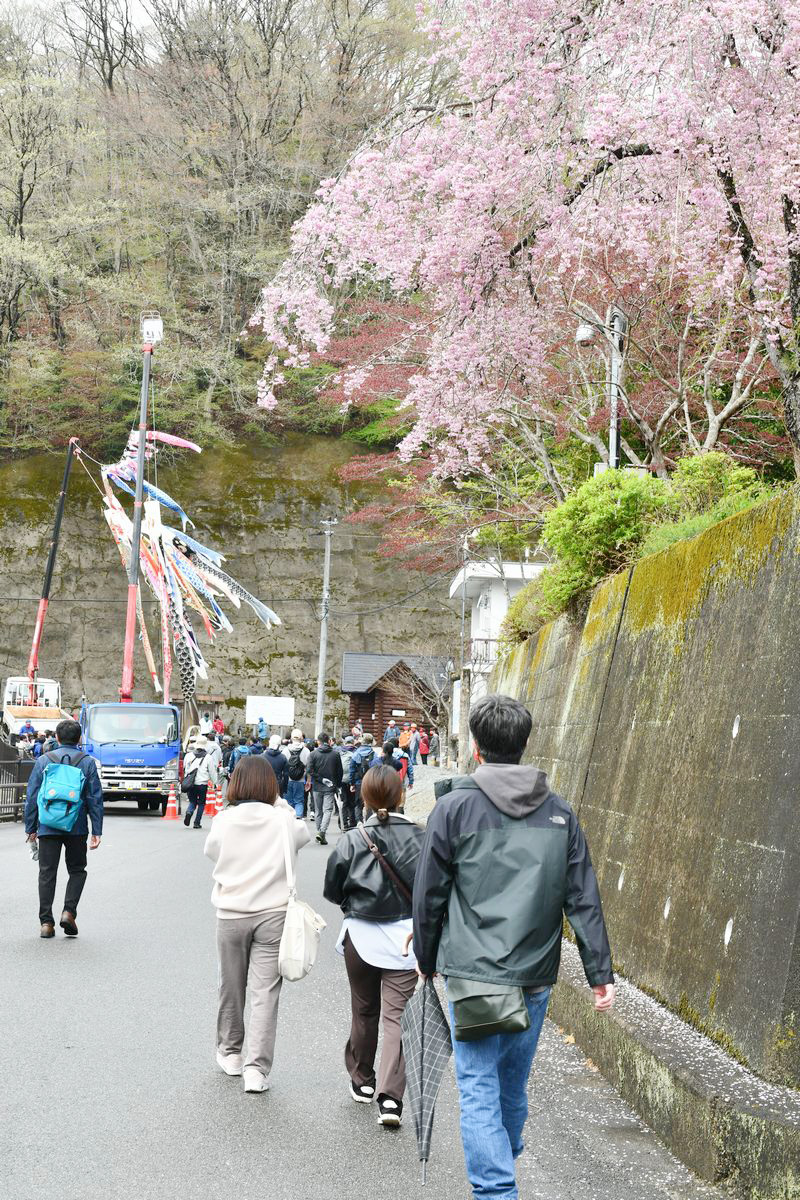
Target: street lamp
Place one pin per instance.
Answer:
(614, 331)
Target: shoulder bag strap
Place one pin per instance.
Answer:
(287, 855)
(390, 871)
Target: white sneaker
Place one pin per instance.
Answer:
(390, 1112)
(255, 1081)
(231, 1064)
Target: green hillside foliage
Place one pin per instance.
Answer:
(160, 164)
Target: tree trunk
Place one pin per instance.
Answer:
(791, 415)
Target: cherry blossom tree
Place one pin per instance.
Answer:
(658, 140)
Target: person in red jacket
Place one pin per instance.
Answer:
(424, 747)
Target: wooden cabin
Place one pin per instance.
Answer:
(386, 686)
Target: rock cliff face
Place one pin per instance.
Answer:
(261, 508)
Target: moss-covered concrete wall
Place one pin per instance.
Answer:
(671, 722)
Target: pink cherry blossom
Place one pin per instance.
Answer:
(622, 153)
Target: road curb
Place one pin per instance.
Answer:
(725, 1123)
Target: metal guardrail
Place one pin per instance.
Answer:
(14, 775)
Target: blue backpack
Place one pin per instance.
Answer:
(239, 753)
(60, 795)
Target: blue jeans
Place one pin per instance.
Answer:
(492, 1076)
(295, 794)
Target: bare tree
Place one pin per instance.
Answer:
(428, 684)
(104, 37)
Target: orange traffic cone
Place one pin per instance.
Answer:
(211, 801)
(172, 806)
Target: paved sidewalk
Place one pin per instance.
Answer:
(109, 1091)
(421, 799)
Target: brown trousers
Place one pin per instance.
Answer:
(375, 993)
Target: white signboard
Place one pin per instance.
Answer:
(276, 710)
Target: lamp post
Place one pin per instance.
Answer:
(152, 329)
(615, 332)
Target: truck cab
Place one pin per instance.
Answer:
(137, 750)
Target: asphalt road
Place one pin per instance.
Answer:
(109, 1090)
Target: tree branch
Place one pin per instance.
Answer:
(636, 150)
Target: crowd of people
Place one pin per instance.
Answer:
(478, 898)
(30, 744)
(319, 778)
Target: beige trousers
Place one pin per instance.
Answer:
(247, 948)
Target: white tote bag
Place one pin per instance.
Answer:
(301, 932)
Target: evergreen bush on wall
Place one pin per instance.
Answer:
(707, 489)
(594, 531)
(618, 517)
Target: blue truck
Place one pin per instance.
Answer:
(137, 749)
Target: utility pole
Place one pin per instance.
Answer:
(464, 553)
(319, 716)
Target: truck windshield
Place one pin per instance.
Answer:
(140, 726)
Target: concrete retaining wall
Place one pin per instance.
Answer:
(671, 722)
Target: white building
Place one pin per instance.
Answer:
(487, 589)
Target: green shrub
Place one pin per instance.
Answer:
(662, 536)
(597, 529)
(527, 613)
(620, 516)
(384, 424)
(707, 489)
(701, 481)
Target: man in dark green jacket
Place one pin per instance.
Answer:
(504, 861)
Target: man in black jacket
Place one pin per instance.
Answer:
(504, 861)
(325, 772)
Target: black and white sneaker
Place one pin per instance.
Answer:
(390, 1112)
(362, 1093)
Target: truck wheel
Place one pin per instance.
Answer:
(142, 805)
(155, 805)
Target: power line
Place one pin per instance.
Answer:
(365, 612)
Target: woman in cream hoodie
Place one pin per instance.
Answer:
(251, 895)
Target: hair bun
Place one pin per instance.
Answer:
(383, 815)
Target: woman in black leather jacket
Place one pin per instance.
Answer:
(373, 888)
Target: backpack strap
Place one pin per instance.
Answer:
(50, 754)
(387, 867)
(456, 783)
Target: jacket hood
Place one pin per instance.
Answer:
(515, 790)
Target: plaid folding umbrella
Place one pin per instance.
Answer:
(426, 1049)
